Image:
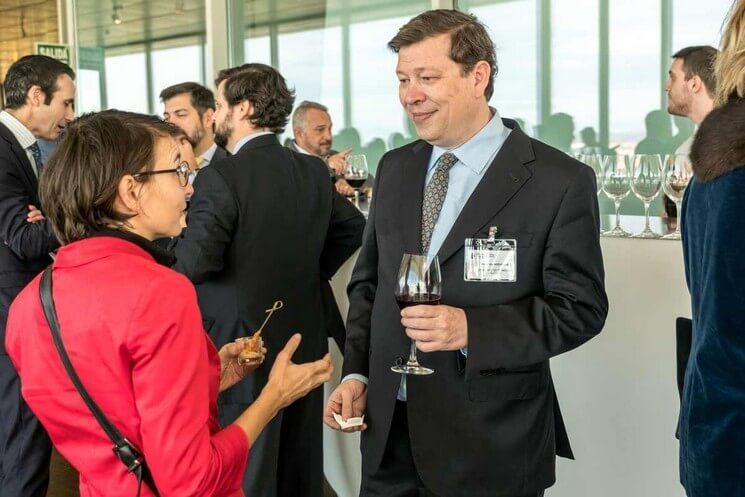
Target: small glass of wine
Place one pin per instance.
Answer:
(419, 283)
(356, 174)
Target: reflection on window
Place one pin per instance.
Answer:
(574, 69)
(126, 83)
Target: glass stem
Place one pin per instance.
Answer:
(678, 206)
(412, 354)
(357, 198)
(646, 217)
(618, 213)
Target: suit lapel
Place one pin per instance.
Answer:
(414, 175)
(505, 177)
(20, 154)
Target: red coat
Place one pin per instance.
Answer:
(133, 331)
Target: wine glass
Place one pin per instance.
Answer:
(419, 283)
(356, 174)
(677, 172)
(617, 185)
(646, 183)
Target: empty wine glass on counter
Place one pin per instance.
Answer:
(646, 183)
(616, 186)
(597, 163)
(676, 175)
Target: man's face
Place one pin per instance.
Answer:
(51, 119)
(223, 117)
(679, 93)
(179, 110)
(316, 136)
(439, 99)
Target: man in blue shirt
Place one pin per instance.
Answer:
(487, 422)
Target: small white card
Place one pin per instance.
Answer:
(350, 423)
(490, 259)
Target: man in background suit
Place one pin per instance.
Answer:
(487, 422)
(312, 130)
(265, 224)
(39, 101)
(191, 107)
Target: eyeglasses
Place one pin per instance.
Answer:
(183, 171)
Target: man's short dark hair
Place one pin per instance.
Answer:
(33, 70)
(469, 40)
(699, 61)
(265, 88)
(201, 98)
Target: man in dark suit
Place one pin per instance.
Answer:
(265, 224)
(312, 130)
(191, 107)
(39, 96)
(487, 422)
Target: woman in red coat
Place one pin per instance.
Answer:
(131, 325)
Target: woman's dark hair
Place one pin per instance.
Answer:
(265, 88)
(79, 184)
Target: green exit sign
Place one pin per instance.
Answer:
(55, 51)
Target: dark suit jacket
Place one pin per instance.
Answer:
(334, 322)
(25, 248)
(265, 224)
(488, 424)
(220, 153)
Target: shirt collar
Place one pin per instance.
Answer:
(19, 130)
(301, 149)
(209, 153)
(248, 138)
(471, 153)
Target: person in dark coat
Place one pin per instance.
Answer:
(712, 419)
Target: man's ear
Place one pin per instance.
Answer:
(35, 96)
(481, 73)
(208, 118)
(245, 110)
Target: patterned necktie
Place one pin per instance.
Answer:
(434, 196)
(36, 153)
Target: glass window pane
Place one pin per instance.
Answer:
(515, 88)
(258, 49)
(698, 23)
(126, 86)
(89, 100)
(635, 76)
(175, 65)
(574, 67)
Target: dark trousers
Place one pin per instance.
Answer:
(286, 460)
(397, 475)
(25, 448)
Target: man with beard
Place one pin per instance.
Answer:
(39, 103)
(191, 107)
(691, 85)
(266, 224)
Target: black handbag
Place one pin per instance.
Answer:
(123, 448)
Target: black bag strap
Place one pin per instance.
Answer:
(123, 448)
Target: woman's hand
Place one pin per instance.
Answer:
(290, 381)
(231, 370)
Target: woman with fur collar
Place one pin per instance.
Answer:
(712, 421)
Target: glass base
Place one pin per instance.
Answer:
(617, 232)
(647, 233)
(412, 368)
(672, 236)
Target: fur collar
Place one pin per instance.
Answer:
(719, 146)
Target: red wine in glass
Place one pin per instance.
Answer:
(356, 183)
(419, 283)
(405, 301)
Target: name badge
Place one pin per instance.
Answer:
(490, 259)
